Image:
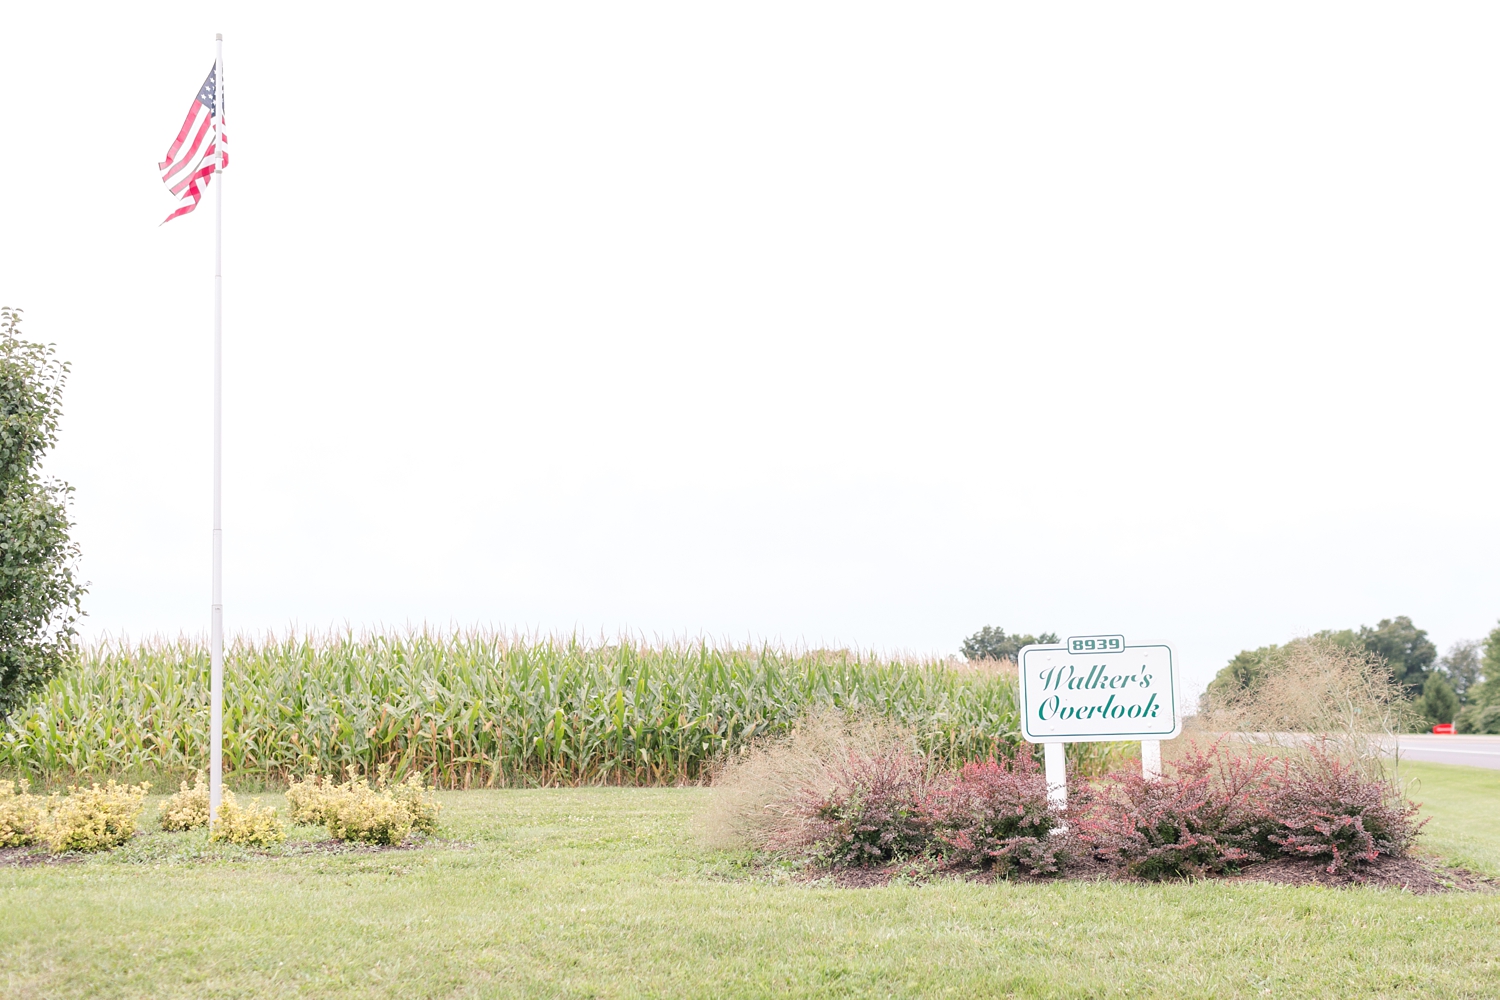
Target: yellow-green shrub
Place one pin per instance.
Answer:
(373, 817)
(188, 809)
(311, 799)
(20, 815)
(415, 797)
(94, 818)
(251, 825)
(353, 810)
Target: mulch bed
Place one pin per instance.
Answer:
(1415, 875)
(26, 857)
(1412, 874)
(294, 848)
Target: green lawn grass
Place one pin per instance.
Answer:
(1463, 809)
(610, 893)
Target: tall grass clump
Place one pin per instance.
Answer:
(777, 793)
(1320, 697)
(478, 708)
(854, 789)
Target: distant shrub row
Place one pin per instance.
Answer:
(97, 819)
(1462, 687)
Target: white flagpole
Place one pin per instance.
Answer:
(216, 626)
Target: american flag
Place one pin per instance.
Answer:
(190, 162)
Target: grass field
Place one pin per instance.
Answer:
(608, 892)
(1463, 806)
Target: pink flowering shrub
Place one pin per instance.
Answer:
(995, 814)
(875, 809)
(847, 801)
(1327, 810)
(1217, 810)
(1206, 815)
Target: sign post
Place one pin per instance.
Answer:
(1094, 689)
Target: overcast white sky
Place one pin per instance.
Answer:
(857, 324)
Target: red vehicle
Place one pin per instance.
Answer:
(1443, 729)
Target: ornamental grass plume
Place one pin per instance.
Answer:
(1331, 712)
(188, 808)
(94, 818)
(1317, 691)
(20, 814)
(762, 791)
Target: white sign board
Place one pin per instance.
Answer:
(1094, 688)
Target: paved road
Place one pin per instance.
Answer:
(1475, 751)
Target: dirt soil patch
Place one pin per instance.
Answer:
(25, 857)
(1412, 874)
(305, 847)
(1415, 875)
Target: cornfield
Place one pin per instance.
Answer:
(477, 708)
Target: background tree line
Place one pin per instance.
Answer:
(1460, 687)
(991, 643)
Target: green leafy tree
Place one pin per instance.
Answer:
(1479, 719)
(1482, 713)
(1244, 672)
(1250, 666)
(39, 593)
(1461, 666)
(1487, 690)
(993, 644)
(1405, 648)
(1438, 703)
